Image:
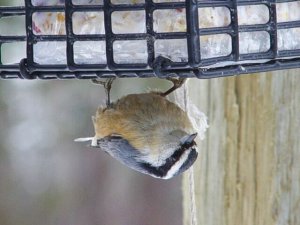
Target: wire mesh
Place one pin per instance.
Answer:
(195, 66)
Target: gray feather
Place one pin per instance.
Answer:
(121, 150)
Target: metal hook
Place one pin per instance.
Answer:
(24, 71)
(160, 64)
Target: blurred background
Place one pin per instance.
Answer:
(46, 178)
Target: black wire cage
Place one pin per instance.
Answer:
(195, 64)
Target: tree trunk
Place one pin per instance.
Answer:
(248, 169)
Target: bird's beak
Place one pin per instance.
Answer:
(188, 139)
(92, 140)
(84, 139)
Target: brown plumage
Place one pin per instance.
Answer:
(145, 120)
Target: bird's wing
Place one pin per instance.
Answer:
(120, 149)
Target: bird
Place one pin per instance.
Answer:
(146, 132)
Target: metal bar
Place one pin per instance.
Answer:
(273, 28)
(193, 40)
(109, 34)
(12, 11)
(149, 8)
(235, 25)
(200, 73)
(69, 34)
(29, 35)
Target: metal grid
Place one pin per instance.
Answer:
(160, 66)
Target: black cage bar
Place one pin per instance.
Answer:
(159, 66)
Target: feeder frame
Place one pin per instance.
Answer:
(155, 66)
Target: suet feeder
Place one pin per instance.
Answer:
(267, 39)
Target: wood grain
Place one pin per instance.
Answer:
(248, 172)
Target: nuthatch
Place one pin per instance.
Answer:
(146, 132)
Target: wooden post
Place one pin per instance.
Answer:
(248, 170)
